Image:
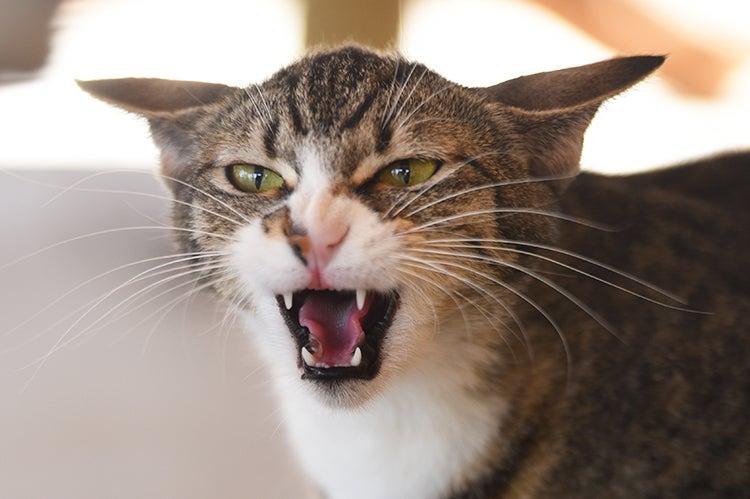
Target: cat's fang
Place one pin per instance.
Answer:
(308, 357)
(356, 357)
(361, 295)
(288, 301)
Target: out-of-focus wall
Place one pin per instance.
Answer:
(162, 403)
(48, 123)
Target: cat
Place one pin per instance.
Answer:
(448, 308)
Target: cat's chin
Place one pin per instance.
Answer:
(339, 335)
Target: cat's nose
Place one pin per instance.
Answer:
(316, 248)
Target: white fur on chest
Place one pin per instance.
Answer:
(415, 441)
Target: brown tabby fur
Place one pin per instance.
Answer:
(663, 412)
(659, 406)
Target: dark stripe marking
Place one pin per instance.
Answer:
(269, 139)
(359, 113)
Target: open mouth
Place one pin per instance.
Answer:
(338, 333)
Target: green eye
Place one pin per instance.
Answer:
(407, 172)
(253, 178)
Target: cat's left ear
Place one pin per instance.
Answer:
(170, 107)
(552, 110)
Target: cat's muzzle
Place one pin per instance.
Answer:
(338, 333)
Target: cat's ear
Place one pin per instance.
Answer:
(170, 106)
(552, 110)
(154, 97)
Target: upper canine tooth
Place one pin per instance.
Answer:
(288, 300)
(356, 357)
(361, 295)
(308, 357)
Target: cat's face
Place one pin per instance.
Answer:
(353, 204)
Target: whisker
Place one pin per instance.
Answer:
(487, 186)
(75, 187)
(524, 337)
(413, 286)
(532, 211)
(134, 296)
(177, 256)
(534, 275)
(405, 121)
(582, 272)
(146, 274)
(63, 340)
(390, 93)
(269, 114)
(398, 94)
(525, 298)
(444, 291)
(406, 100)
(169, 306)
(110, 231)
(481, 310)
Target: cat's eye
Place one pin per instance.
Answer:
(408, 172)
(254, 178)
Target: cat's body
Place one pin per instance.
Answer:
(462, 323)
(660, 412)
(663, 410)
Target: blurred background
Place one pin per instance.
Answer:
(116, 384)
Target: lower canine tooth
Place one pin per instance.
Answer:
(288, 300)
(308, 357)
(361, 295)
(356, 357)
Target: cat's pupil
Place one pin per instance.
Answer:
(257, 176)
(402, 172)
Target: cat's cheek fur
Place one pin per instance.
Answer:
(266, 265)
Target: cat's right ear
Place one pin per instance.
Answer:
(154, 97)
(170, 107)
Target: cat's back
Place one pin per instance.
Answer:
(663, 409)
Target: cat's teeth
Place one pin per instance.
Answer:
(308, 357)
(356, 357)
(288, 300)
(361, 295)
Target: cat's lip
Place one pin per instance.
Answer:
(351, 352)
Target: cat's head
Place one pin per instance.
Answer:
(356, 204)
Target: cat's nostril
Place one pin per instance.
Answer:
(300, 246)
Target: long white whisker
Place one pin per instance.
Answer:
(579, 271)
(482, 187)
(572, 298)
(405, 121)
(525, 298)
(173, 303)
(482, 291)
(110, 231)
(146, 274)
(532, 211)
(445, 291)
(127, 302)
(175, 256)
(74, 186)
(408, 96)
(398, 94)
(63, 340)
(471, 302)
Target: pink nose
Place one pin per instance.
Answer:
(318, 247)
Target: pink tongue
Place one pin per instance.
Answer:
(334, 324)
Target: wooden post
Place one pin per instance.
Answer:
(370, 22)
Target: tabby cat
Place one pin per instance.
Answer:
(447, 306)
